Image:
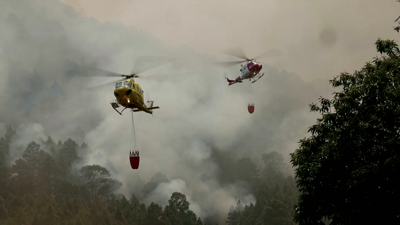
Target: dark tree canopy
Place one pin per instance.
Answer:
(98, 181)
(348, 170)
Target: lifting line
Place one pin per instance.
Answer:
(133, 136)
(250, 91)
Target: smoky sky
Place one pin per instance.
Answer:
(295, 27)
(41, 42)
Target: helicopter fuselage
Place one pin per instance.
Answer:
(250, 69)
(129, 94)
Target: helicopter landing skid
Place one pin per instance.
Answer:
(256, 78)
(115, 105)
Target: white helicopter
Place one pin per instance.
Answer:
(250, 69)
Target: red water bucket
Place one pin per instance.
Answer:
(250, 108)
(134, 160)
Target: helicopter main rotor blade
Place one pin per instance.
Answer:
(236, 52)
(229, 64)
(106, 84)
(269, 53)
(107, 73)
(145, 64)
(88, 71)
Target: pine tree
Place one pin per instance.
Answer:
(3, 213)
(32, 155)
(49, 143)
(67, 154)
(36, 221)
(4, 151)
(49, 173)
(50, 217)
(23, 181)
(10, 134)
(119, 216)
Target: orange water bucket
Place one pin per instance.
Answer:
(250, 107)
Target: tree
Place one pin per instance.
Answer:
(67, 154)
(25, 170)
(155, 215)
(33, 155)
(10, 134)
(3, 213)
(233, 216)
(4, 151)
(97, 180)
(348, 169)
(50, 146)
(246, 170)
(50, 217)
(49, 172)
(49, 142)
(272, 161)
(23, 179)
(178, 211)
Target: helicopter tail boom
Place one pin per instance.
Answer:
(237, 80)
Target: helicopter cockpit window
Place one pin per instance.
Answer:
(119, 84)
(127, 84)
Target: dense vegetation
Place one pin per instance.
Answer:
(40, 188)
(44, 187)
(275, 196)
(348, 170)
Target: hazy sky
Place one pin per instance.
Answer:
(320, 38)
(42, 40)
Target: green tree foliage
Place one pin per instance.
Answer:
(49, 142)
(234, 215)
(33, 155)
(4, 151)
(67, 154)
(26, 169)
(10, 134)
(49, 174)
(23, 179)
(41, 188)
(50, 217)
(178, 211)
(4, 180)
(246, 171)
(348, 169)
(275, 196)
(272, 161)
(155, 215)
(98, 181)
(3, 213)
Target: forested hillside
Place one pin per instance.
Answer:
(41, 188)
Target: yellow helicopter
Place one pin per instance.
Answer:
(130, 94)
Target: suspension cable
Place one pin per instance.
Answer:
(250, 91)
(133, 135)
(130, 147)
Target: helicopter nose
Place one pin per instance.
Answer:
(256, 68)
